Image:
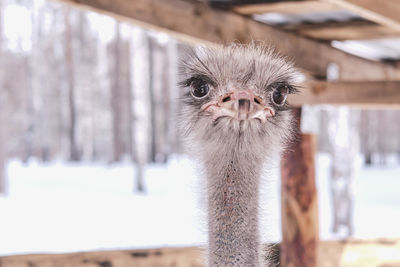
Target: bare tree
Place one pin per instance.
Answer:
(2, 122)
(126, 96)
(172, 53)
(2, 153)
(34, 111)
(2, 145)
(344, 147)
(152, 99)
(116, 96)
(74, 152)
(160, 100)
(141, 112)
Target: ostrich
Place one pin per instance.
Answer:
(234, 119)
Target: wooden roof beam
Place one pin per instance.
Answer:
(364, 94)
(287, 7)
(323, 31)
(383, 12)
(348, 30)
(197, 22)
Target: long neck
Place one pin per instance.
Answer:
(233, 211)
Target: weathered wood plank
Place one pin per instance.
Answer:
(347, 31)
(342, 30)
(346, 253)
(374, 94)
(195, 21)
(288, 7)
(299, 203)
(178, 257)
(380, 11)
(359, 253)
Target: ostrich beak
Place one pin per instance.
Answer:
(239, 104)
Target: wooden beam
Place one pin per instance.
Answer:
(359, 30)
(374, 94)
(323, 31)
(288, 7)
(350, 32)
(299, 203)
(359, 253)
(342, 30)
(178, 257)
(197, 22)
(346, 253)
(383, 12)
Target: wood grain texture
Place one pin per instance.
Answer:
(196, 22)
(287, 7)
(299, 204)
(383, 12)
(373, 94)
(359, 253)
(347, 31)
(345, 253)
(177, 257)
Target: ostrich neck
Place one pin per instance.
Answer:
(233, 210)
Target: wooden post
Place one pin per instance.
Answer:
(299, 203)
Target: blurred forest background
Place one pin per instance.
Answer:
(77, 86)
(82, 87)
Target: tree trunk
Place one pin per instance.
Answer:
(152, 100)
(343, 126)
(3, 184)
(2, 156)
(74, 153)
(35, 130)
(141, 108)
(299, 203)
(160, 100)
(172, 60)
(166, 106)
(116, 100)
(2, 122)
(130, 104)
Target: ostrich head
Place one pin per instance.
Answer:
(235, 99)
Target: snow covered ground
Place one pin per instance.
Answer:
(63, 207)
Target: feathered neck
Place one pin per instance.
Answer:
(233, 184)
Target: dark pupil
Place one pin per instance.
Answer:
(200, 89)
(278, 97)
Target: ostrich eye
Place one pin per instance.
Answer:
(199, 88)
(280, 94)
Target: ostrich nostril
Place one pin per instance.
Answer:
(226, 99)
(257, 101)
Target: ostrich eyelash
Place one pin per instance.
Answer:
(293, 89)
(200, 78)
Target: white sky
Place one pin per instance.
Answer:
(103, 25)
(17, 27)
(17, 21)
